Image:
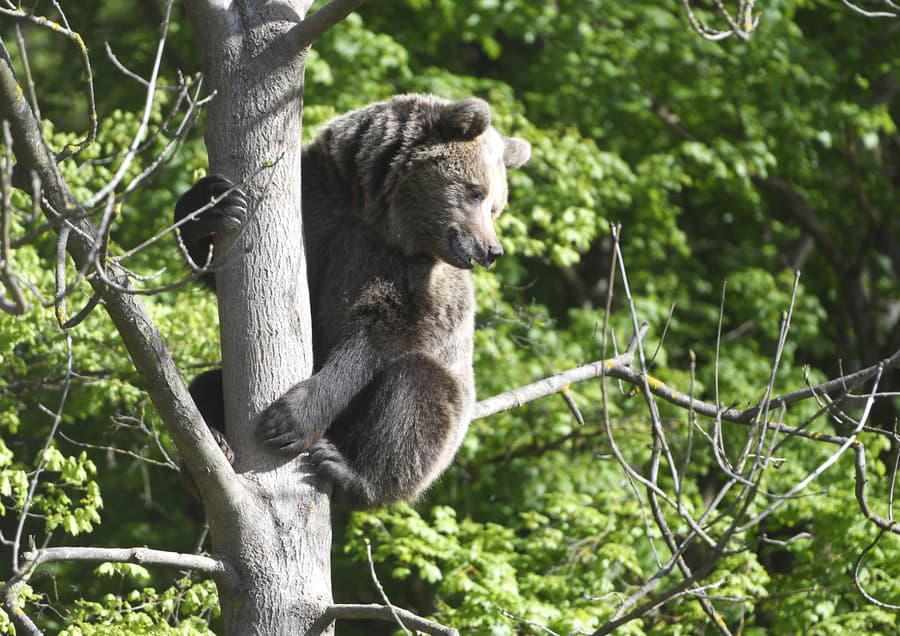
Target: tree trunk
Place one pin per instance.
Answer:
(278, 537)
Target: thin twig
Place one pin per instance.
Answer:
(35, 478)
(113, 183)
(859, 586)
(63, 29)
(895, 10)
(385, 613)
(850, 440)
(17, 305)
(26, 66)
(161, 378)
(380, 588)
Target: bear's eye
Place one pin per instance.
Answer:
(474, 193)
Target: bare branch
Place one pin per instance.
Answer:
(619, 368)
(211, 471)
(661, 448)
(534, 624)
(317, 23)
(17, 304)
(111, 185)
(26, 66)
(803, 483)
(35, 478)
(893, 12)
(210, 566)
(858, 583)
(63, 29)
(766, 433)
(573, 408)
(380, 588)
(885, 525)
(554, 384)
(742, 24)
(889, 524)
(385, 613)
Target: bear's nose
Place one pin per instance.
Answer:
(495, 251)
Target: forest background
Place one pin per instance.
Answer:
(738, 160)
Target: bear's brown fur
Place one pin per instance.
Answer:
(399, 199)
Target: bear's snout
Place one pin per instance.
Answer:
(487, 253)
(494, 251)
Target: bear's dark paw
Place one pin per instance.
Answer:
(219, 436)
(227, 214)
(333, 465)
(283, 426)
(325, 452)
(185, 474)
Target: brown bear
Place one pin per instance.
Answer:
(399, 200)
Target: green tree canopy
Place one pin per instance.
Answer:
(738, 160)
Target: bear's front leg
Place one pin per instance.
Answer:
(295, 421)
(300, 417)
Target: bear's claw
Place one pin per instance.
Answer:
(227, 214)
(283, 427)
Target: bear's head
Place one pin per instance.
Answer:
(450, 185)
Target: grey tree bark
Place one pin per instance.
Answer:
(278, 534)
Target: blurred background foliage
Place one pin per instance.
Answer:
(737, 160)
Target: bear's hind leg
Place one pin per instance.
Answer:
(397, 436)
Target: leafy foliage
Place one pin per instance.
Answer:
(729, 160)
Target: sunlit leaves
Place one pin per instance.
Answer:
(182, 609)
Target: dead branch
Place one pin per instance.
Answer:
(17, 304)
(131, 153)
(766, 432)
(380, 588)
(210, 566)
(36, 476)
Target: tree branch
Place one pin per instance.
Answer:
(63, 29)
(513, 399)
(619, 368)
(387, 613)
(743, 24)
(893, 12)
(210, 566)
(317, 23)
(381, 591)
(10, 591)
(17, 304)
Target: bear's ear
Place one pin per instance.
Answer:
(465, 119)
(516, 151)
